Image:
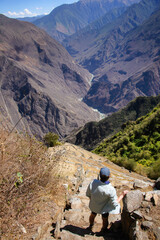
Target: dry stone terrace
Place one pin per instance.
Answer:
(77, 167)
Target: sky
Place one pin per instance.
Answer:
(29, 8)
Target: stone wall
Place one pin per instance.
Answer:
(141, 215)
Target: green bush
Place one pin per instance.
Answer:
(51, 139)
(154, 171)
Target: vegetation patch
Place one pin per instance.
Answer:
(51, 139)
(27, 180)
(137, 145)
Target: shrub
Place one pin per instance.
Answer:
(154, 171)
(51, 139)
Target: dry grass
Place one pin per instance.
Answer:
(26, 184)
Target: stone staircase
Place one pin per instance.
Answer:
(78, 167)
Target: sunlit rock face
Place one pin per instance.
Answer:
(40, 82)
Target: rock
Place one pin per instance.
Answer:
(148, 196)
(115, 221)
(114, 217)
(86, 217)
(132, 201)
(156, 231)
(124, 183)
(65, 235)
(65, 186)
(63, 223)
(146, 224)
(157, 183)
(76, 203)
(73, 216)
(148, 218)
(137, 214)
(155, 199)
(145, 205)
(41, 231)
(147, 210)
(136, 232)
(140, 184)
(153, 196)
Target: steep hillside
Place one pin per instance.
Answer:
(67, 19)
(42, 193)
(94, 132)
(137, 145)
(123, 57)
(39, 80)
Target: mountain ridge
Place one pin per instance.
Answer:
(93, 133)
(122, 69)
(132, 71)
(39, 79)
(69, 18)
(130, 19)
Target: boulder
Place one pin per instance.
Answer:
(153, 196)
(148, 196)
(147, 225)
(140, 184)
(132, 200)
(156, 200)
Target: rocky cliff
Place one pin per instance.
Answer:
(39, 80)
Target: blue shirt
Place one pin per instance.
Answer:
(103, 198)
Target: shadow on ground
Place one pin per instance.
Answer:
(109, 235)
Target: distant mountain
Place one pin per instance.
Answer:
(30, 19)
(137, 145)
(123, 56)
(93, 133)
(67, 19)
(92, 29)
(93, 48)
(133, 70)
(39, 80)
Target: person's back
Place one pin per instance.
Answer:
(103, 198)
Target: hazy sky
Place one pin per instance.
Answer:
(29, 8)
